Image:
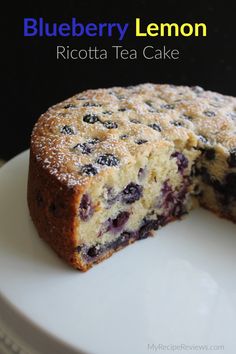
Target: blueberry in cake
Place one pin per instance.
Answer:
(109, 166)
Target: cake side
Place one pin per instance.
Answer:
(52, 207)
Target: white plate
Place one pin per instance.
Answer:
(177, 288)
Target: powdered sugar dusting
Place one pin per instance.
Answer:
(124, 121)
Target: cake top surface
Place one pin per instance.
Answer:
(105, 128)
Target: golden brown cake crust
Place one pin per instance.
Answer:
(53, 209)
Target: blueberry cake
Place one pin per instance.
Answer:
(110, 166)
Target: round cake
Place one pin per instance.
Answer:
(110, 166)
